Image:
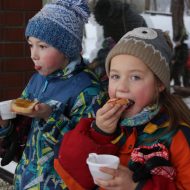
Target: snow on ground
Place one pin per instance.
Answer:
(10, 167)
(187, 101)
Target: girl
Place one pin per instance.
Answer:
(152, 136)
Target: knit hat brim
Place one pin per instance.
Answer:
(38, 29)
(154, 52)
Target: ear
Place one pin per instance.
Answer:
(161, 86)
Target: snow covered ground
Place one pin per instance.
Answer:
(10, 167)
(187, 101)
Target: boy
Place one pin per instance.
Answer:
(66, 91)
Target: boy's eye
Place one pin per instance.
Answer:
(43, 46)
(30, 46)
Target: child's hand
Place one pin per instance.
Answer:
(3, 123)
(122, 179)
(108, 116)
(40, 110)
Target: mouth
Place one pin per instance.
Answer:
(129, 103)
(37, 67)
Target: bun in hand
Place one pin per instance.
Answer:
(121, 101)
(23, 105)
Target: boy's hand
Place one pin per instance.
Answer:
(3, 123)
(108, 116)
(40, 110)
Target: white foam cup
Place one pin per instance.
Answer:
(5, 110)
(95, 161)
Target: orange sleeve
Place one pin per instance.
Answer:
(71, 183)
(180, 158)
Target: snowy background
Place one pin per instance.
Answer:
(94, 32)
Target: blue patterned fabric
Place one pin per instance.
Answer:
(70, 103)
(61, 24)
(143, 117)
(4, 131)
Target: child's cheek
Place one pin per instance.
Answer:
(51, 66)
(111, 92)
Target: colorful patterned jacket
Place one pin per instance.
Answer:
(124, 143)
(72, 93)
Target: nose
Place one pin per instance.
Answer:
(123, 86)
(34, 54)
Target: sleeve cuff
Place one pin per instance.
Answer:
(100, 136)
(97, 129)
(4, 131)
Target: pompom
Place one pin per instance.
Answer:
(79, 6)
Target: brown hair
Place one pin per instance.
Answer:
(176, 108)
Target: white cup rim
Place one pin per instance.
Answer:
(115, 160)
(5, 111)
(5, 102)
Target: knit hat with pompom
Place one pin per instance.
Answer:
(60, 24)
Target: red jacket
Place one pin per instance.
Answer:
(78, 143)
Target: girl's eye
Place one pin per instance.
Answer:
(135, 77)
(114, 76)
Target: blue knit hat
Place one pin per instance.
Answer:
(60, 24)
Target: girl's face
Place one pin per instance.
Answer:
(46, 58)
(131, 78)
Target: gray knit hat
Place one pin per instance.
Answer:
(61, 25)
(152, 46)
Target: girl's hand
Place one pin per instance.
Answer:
(122, 179)
(108, 116)
(40, 110)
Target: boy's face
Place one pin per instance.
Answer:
(131, 78)
(46, 58)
